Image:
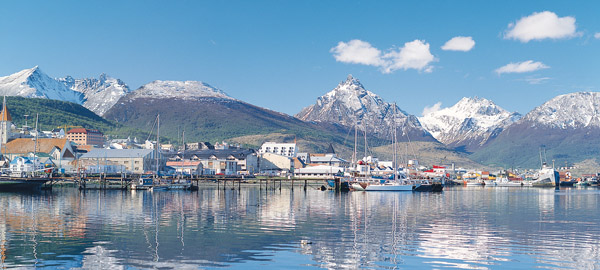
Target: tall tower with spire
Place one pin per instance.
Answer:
(5, 123)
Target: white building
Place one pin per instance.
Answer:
(283, 149)
(320, 171)
(275, 164)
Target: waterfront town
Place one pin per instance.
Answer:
(28, 152)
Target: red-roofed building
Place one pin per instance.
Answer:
(84, 136)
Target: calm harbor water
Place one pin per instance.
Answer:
(473, 228)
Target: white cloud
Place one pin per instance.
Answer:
(430, 109)
(357, 52)
(597, 35)
(459, 43)
(521, 67)
(414, 55)
(542, 25)
(538, 80)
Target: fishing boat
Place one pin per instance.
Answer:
(433, 186)
(547, 177)
(143, 184)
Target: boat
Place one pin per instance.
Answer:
(569, 183)
(22, 183)
(547, 177)
(143, 184)
(473, 183)
(505, 182)
(489, 183)
(392, 185)
(426, 186)
(582, 184)
(159, 188)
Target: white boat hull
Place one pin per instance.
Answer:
(473, 184)
(509, 184)
(390, 187)
(357, 187)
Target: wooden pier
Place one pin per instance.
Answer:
(117, 182)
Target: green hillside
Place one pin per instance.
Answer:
(54, 114)
(215, 120)
(519, 146)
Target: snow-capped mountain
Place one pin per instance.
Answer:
(570, 111)
(469, 124)
(178, 89)
(350, 103)
(34, 83)
(567, 127)
(100, 94)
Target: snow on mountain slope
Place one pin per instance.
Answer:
(100, 94)
(566, 126)
(350, 103)
(34, 83)
(178, 89)
(574, 110)
(470, 123)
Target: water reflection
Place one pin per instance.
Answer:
(470, 228)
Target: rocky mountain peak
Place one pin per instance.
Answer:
(34, 83)
(574, 110)
(470, 123)
(179, 89)
(350, 103)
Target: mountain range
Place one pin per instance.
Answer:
(98, 95)
(566, 126)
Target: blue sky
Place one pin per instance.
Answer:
(282, 55)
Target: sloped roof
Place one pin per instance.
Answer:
(5, 116)
(218, 153)
(117, 153)
(27, 145)
(83, 130)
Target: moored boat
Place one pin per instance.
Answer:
(21, 184)
(547, 177)
(505, 182)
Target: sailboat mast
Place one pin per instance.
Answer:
(365, 126)
(157, 141)
(395, 160)
(3, 125)
(183, 155)
(354, 158)
(35, 144)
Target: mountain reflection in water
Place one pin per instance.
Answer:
(483, 228)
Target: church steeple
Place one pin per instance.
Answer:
(5, 115)
(5, 123)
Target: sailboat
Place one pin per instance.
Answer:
(395, 184)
